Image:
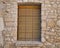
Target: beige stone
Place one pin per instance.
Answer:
(57, 46)
(51, 23)
(58, 23)
(10, 45)
(43, 24)
(19, 47)
(25, 47)
(9, 19)
(36, 47)
(1, 24)
(10, 24)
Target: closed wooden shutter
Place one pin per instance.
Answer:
(29, 23)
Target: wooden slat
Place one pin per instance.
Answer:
(29, 7)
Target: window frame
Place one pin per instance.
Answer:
(28, 43)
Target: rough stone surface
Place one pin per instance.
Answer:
(50, 15)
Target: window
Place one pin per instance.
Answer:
(29, 22)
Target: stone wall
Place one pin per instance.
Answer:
(50, 12)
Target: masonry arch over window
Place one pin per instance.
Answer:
(29, 22)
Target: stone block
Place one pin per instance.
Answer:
(43, 24)
(57, 46)
(51, 23)
(9, 19)
(1, 24)
(36, 47)
(58, 23)
(50, 46)
(26, 47)
(9, 45)
(19, 47)
(9, 24)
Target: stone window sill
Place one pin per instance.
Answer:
(28, 43)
